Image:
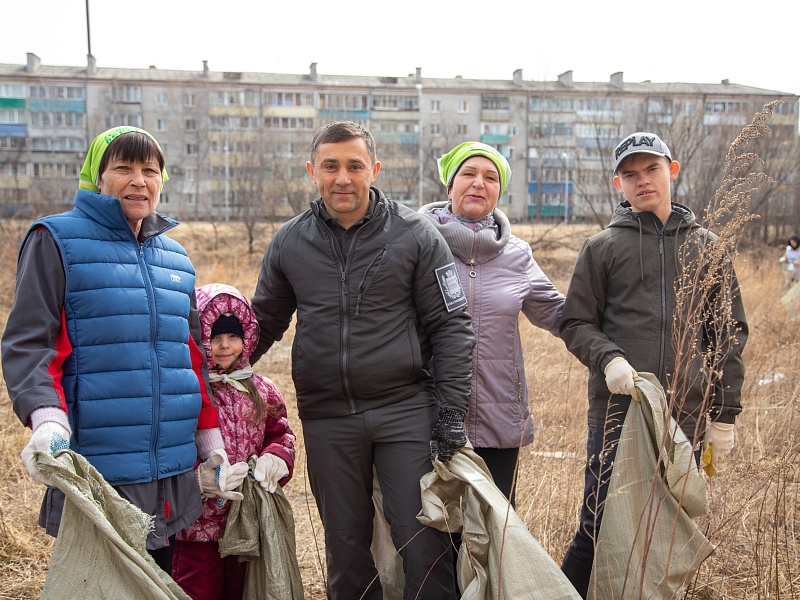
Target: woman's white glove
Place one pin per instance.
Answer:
(717, 444)
(619, 376)
(213, 474)
(48, 437)
(269, 470)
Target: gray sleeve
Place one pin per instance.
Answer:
(543, 305)
(32, 352)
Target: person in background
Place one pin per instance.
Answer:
(253, 421)
(618, 319)
(790, 261)
(502, 280)
(377, 298)
(101, 349)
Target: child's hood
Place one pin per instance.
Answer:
(215, 299)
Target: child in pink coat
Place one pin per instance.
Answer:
(252, 417)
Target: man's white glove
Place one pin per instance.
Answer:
(619, 376)
(48, 437)
(717, 444)
(212, 475)
(269, 470)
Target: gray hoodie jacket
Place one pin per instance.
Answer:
(501, 279)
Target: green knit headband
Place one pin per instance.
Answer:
(91, 166)
(450, 162)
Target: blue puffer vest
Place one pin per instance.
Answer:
(132, 396)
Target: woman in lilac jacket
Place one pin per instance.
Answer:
(501, 279)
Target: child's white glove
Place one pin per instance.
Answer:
(236, 475)
(269, 470)
(212, 475)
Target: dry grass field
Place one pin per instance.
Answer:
(755, 499)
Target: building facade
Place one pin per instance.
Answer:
(236, 143)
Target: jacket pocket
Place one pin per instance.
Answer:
(369, 276)
(416, 350)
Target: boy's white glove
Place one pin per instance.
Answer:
(619, 376)
(48, 437)
(717, 444)
(212, 475)
(269, 470)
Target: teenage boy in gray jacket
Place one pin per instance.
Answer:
(377, 297)
(618, 319)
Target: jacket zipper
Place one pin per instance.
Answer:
(662, 345)
(148, 284)
(472, 273)
(344, 330)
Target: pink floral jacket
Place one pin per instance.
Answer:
(243, 438)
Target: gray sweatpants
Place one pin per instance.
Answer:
(341, 452)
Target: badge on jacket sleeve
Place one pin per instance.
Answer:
(450, 285)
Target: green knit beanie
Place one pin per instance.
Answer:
(450, 162)
(91, 166)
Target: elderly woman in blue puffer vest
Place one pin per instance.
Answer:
(101, 352)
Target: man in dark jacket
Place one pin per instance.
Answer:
(618, 319)
(378, 298)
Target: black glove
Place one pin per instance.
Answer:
(447, 435)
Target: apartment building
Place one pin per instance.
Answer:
(236, 143)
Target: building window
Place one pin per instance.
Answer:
(552, 104)
(10, 116)
(190, 174)
(60, 143)
(343, 102)
(58, 119)
(11, 90)
(164, 198)
(191, 149)
(191, 125)
(191, 199)
(162, 125)
(190, 100)
(62, 92)
(12, 142)
(495, 102)
(131, 120)
(395, 102)
(234, 98)
(128, 93)
(436, 129)
(463, 106)
(462, 129)
(161, 99)
(436, 106)
(289, 99)
(291, 123)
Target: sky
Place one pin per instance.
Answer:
(693, 41)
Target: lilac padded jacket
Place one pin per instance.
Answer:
(505, 281)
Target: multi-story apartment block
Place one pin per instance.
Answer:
(236, 143)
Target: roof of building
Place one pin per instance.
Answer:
(409, 82)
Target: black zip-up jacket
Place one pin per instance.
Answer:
(368, 326)
(621, 302)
